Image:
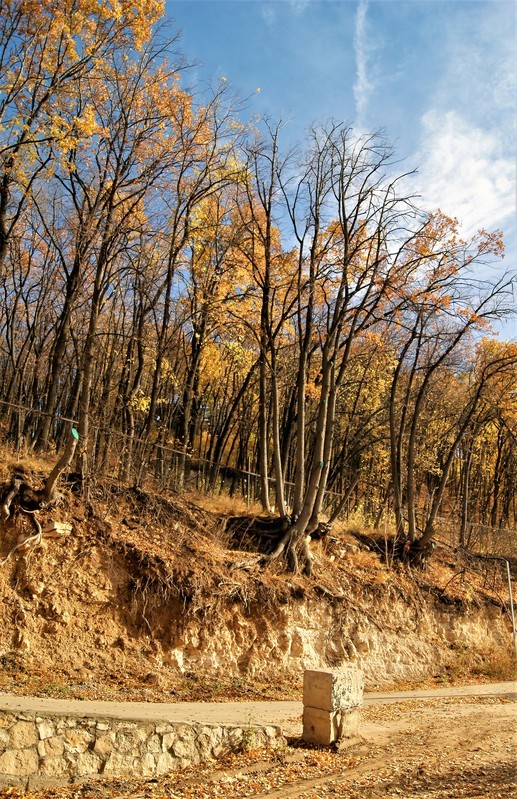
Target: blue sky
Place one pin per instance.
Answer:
(437, 77)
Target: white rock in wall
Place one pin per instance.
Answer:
(51, 747)
(77, 741)
(54, 767)
(146, 766)
(130, 739)
(119, 763)
(45, 729)
(165, 764)
(104, 744)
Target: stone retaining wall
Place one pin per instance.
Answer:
(54, 750)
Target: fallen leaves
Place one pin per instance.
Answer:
(458, 748)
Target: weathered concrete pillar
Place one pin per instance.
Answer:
(332, 700)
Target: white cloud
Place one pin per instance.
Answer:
(363, 85)
(268, 13)
(298, 6)
(465, 172)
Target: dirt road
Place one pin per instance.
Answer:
(446, 747)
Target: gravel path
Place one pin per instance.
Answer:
(285, 714)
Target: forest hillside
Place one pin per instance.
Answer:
(139, 595)
(252, 394)
(210, 308)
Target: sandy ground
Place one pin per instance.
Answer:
(445, 747)
(449, 748)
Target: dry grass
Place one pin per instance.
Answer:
(224, 504)
(466, 664)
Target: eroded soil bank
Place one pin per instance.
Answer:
(148, 601)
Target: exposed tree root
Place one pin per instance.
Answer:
(275, 538)
(21, 496)
(255, 533)
(295, 549)
(399, 549)
(31, 540)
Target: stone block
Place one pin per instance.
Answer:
(221, 750)
(163, 728)
(87, 763)
(349, 723)
(204, 746)
(21, 762)
(184, 749)
(154, 744)
(273, 734)
(129, 739)
(168, 741)
(333, 689)
(323, 727)
(145, 766)
(186, 740)
(103, 726)
(104, 744)
(119, 764)
(53, 767)
(319, 726)
(51, 747)
(45, 729)
(77, 740)
(23, 735)
(165, 764)
(65, 724)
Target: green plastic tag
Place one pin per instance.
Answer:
(75, 434)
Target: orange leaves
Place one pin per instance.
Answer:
(140, 16)
(88, 20)
(48, 53)
(87, 124)
(440, 230)
(490, 243)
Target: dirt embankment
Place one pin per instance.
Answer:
(151, 598)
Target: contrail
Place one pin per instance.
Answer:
(362, 86)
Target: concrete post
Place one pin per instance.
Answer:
(332, 700)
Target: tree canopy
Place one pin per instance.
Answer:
(207, 307)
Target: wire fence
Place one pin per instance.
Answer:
(480, 539)
(134, 460)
